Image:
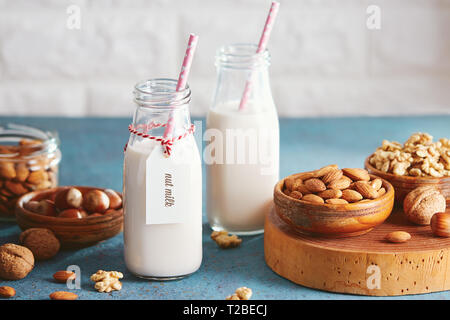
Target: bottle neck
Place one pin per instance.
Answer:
(158, 102)
(238, 67)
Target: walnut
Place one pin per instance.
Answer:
(419, 156)
(42, 242)
(422, 203)
(15, 261)
(242, 293)
(224, 240)
(107, 281)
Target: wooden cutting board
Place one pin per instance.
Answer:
(365, 265)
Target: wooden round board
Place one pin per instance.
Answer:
(365, 265)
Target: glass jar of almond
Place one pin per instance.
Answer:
(29, 159)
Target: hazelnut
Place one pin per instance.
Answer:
(47, 208)
(440, 224)
(83, 212)
(71, 213)
(115, 201)
(42, 242)
(32, 206)
(422, 203)
(97, 214)
(68, 198)
(15, 261)
(96, 201)
(44, 207)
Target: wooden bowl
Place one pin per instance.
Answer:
(72, 233)
(404, 184)
(331, 220)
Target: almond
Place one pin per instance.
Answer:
(440, 224)
(336, 201)
(22, 172)
(381, 192)
(351, 195)
(398, 236)
(313, 198)
(315, 185)
(15, 187)
(63, 276)
(342, 183)
(63, 295)
(45, 185)
(29, 142)
(300, 187)
(37, 177)
(323, 171)
(357, 174)
(7, 170)
(6, 193)
(332, 176)
(296, 195)
(376, 183)
(366, 190)
(289, 183)
(330, 194)
(7, 292)
(295, 183)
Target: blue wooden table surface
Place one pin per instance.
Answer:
(92, 151)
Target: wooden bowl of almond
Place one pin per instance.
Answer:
(418, 162)
(332, 202)
(78, 216)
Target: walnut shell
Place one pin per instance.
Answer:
(42, 242)
(15, 261)
(422, 203)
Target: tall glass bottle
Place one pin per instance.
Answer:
(242, 156)
(162, 193)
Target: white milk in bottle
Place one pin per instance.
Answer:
(162, 194)
(243, 154)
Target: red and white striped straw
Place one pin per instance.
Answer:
(261, 47)
(182, 79)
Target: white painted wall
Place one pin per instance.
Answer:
(325, 62)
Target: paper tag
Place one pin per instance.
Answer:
(167, 189)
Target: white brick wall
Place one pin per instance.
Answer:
(325, 62)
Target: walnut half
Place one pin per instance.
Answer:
(224, 240)
(242, 293)
(107, 281)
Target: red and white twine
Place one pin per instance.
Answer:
(166, 143)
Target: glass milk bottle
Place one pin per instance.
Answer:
(162, 185)
(242, 155)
